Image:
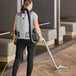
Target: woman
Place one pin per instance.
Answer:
(22, 43)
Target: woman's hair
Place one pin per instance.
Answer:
(26, 3)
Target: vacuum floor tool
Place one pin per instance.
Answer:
(51, 56)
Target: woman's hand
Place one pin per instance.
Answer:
(41, 39)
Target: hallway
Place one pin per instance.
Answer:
(43, 65)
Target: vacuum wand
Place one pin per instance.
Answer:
(51, 56)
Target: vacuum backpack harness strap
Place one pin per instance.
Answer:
(51, 56)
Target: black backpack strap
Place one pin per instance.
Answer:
(30, 30)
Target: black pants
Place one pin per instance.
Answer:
(20, 46)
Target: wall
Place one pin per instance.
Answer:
(7, 14)
(45, 11)
(8, 10)
(68, 8)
